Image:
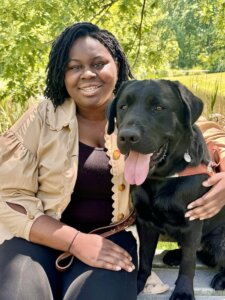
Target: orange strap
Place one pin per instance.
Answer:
(200, 169)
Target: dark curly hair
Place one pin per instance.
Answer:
(59, 55)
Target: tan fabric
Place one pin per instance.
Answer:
(38, 168)
(154, 285)
(215, 138)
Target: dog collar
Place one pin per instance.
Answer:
(200, 169)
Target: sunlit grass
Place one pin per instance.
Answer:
(167, 245)
(209, 87)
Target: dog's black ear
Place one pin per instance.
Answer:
(194, 104)
(111, 115)
(111, 110)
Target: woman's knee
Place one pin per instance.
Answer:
(23, 274)
(100, 284)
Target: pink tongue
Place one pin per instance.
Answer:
(137, 167)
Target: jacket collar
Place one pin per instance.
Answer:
(62, 116)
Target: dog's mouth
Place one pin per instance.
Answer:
(138, 165)
(159, 155)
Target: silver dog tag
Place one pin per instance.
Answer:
(187, 157)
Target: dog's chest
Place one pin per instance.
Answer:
(160, 205)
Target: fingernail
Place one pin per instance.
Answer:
(133, 267)
(187, 215)
(192, 218)
(118, 268)
(130, 269)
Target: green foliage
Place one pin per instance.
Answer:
(28, 27)
(199, 27)
(11, 111)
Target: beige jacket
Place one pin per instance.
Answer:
(38, 167)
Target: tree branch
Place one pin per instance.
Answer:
(139, 32)
(104, 8)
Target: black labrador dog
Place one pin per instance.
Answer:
(156, 132)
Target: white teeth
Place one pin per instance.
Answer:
(89, 89)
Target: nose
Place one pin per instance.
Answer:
(128, 136)
(88, 73)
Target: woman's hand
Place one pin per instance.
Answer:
(96, 251)
(211, 203)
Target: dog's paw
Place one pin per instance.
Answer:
(218, 281)
(182, 296)
(173, 257)
(183, 289)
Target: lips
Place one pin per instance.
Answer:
(89, 90)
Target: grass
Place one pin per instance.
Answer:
(167, 245)
(209, 87)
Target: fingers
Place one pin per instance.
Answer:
(100, 252)
(213, 179)
(116, 255)
(202, 212)
(209, 204)
(111, 263)
(113, 267)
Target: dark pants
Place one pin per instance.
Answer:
(27, 271)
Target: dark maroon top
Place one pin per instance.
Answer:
(91, 201)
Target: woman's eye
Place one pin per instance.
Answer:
(123, 107)
(75, 67)
(99, 65)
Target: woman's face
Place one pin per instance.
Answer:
(91, 74)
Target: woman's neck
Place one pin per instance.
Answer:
(92, 130)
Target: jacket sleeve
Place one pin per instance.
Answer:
(215, 139)
(19, 177)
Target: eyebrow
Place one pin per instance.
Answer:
(77, 60)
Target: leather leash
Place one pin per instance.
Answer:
(103, 231)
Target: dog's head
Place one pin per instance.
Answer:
(151, 116)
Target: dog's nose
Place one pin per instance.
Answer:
(128, 136)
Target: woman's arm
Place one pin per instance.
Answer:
(91, 249)
(211, 203)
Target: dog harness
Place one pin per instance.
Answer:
(200, 169)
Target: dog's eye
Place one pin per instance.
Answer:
(123, 107)
(158, 108)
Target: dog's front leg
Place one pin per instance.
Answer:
(148, 241)
(148, 236)
(189, 243)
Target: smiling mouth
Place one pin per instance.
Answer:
(90, 89)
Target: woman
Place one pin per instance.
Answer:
(62, 176)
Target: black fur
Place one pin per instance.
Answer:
(150, 114)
